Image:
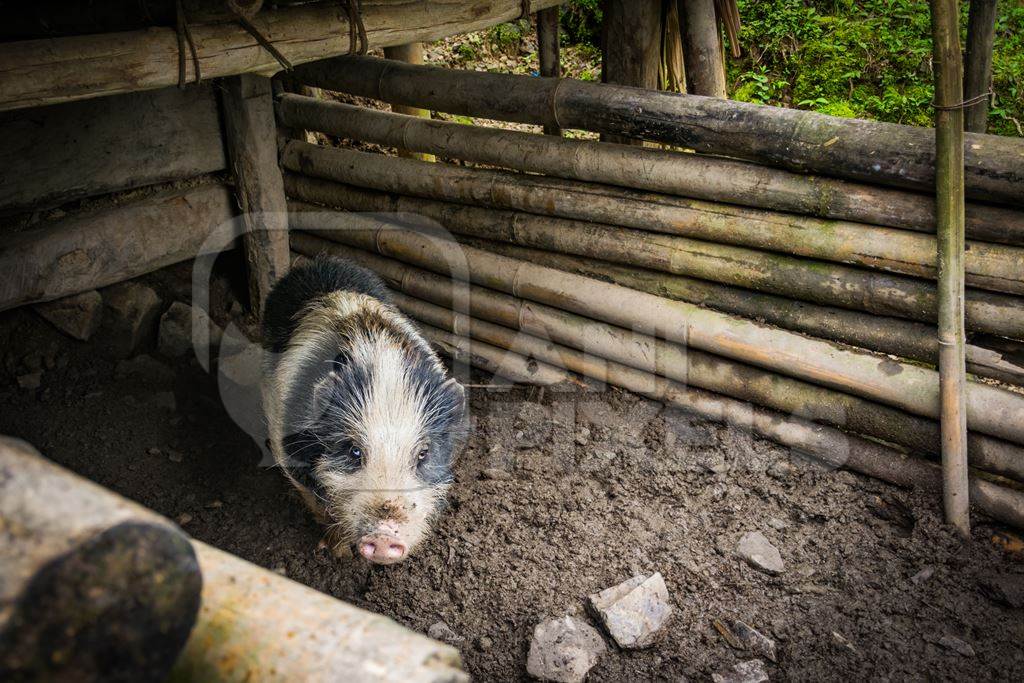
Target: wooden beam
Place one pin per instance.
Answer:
(251, 133)
(48, 71)
(412, 53)
(949, 199)
(702, 48)
(630, 48)
(53, 155)
(981, 30)
(84, 252)
(548, 52)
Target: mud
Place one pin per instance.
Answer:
(585, 487)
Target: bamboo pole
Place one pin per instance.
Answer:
(991, 410)
(996, 357)
(548, 51)
(981, 29)
(702, 48)
(689, 175)
(989, 266)
(814, 281)
(411, 53)
(688, 366)
(803, 141)
(630, 49)
(949, 199)
(48, 71)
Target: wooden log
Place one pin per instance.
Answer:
(949, 209)
(989, 266)
(689, 366)
(702, 48)
(256, 625)
(93, 250)
(548, 53)
(251, 134)
(48, 71)
(411, 53)
(689, 175)
(58, 154)
(630, 48)
(92, 586)
(814, 281)
(991, 410)
(981, 30)
(987, 356)
(803, 141)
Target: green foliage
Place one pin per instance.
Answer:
(863, 58)
(507, 37)
(581, 22)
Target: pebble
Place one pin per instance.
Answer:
(483, 643)
(495, 474)
(183, 519)
(954, 644)
(922, 575)
(755, 641)
(634, 611)
(214, 504)
(744, 672)
(176, 456)
(30, 381)
(153, 450)
(564, 650)
(443, 632)
(175, 338)
(759, 553)
(77, 316)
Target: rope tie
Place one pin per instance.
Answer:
(964, 103)
(356, 28)
(185, 37)
(262, 40)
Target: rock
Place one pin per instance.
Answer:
(744, 672)
(841, 641)
(922, 575)
(183, 519)
(759, 553)
(30, 381)
(755, 641)
(145, 368)
(495, 474)
(176, 333)
(483, 643)
(132, 310)
(175, 456)
(634, 611)
(564, 650)
(954, 644)
(443, 632)
(1007, 589)
(77, 316)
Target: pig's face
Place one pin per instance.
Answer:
(389, 420)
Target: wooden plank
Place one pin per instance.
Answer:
(251, 133)
(52, 155)
(102, 248)
(49, 71)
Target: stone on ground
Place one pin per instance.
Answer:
(755, 641)
(443, 632)
(77, 316)
(759, 553)
(176, 333)
(744, 672)
(564, 650)
(634, 611)
(132, 310)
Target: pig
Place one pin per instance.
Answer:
(363, 417)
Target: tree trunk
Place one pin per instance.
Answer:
(252, 145)
(93, 587)
(981, 30)
(630, 47)
(702, 48)
(803, 141)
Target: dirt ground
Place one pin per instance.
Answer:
(600, 486)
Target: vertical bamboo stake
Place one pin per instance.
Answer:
(981, 29)
(631, 48)
(412, 53)
(547, 50)
(949, 209)
(702, 48)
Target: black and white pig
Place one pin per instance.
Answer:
(362, 415)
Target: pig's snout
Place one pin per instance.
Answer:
(382, 547)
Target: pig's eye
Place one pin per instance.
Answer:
(355, 452)
(422, 455)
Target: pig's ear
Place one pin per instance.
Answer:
(323, 392)
(456, 394)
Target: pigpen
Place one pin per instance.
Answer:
(745, 383)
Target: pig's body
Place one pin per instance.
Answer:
(362, 415)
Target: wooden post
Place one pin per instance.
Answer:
(631, 47)
(702, 48)
(548, 53)
(949, 190)
(981, 29)
(252, 145)
(411, 53)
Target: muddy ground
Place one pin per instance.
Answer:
(601, 486)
